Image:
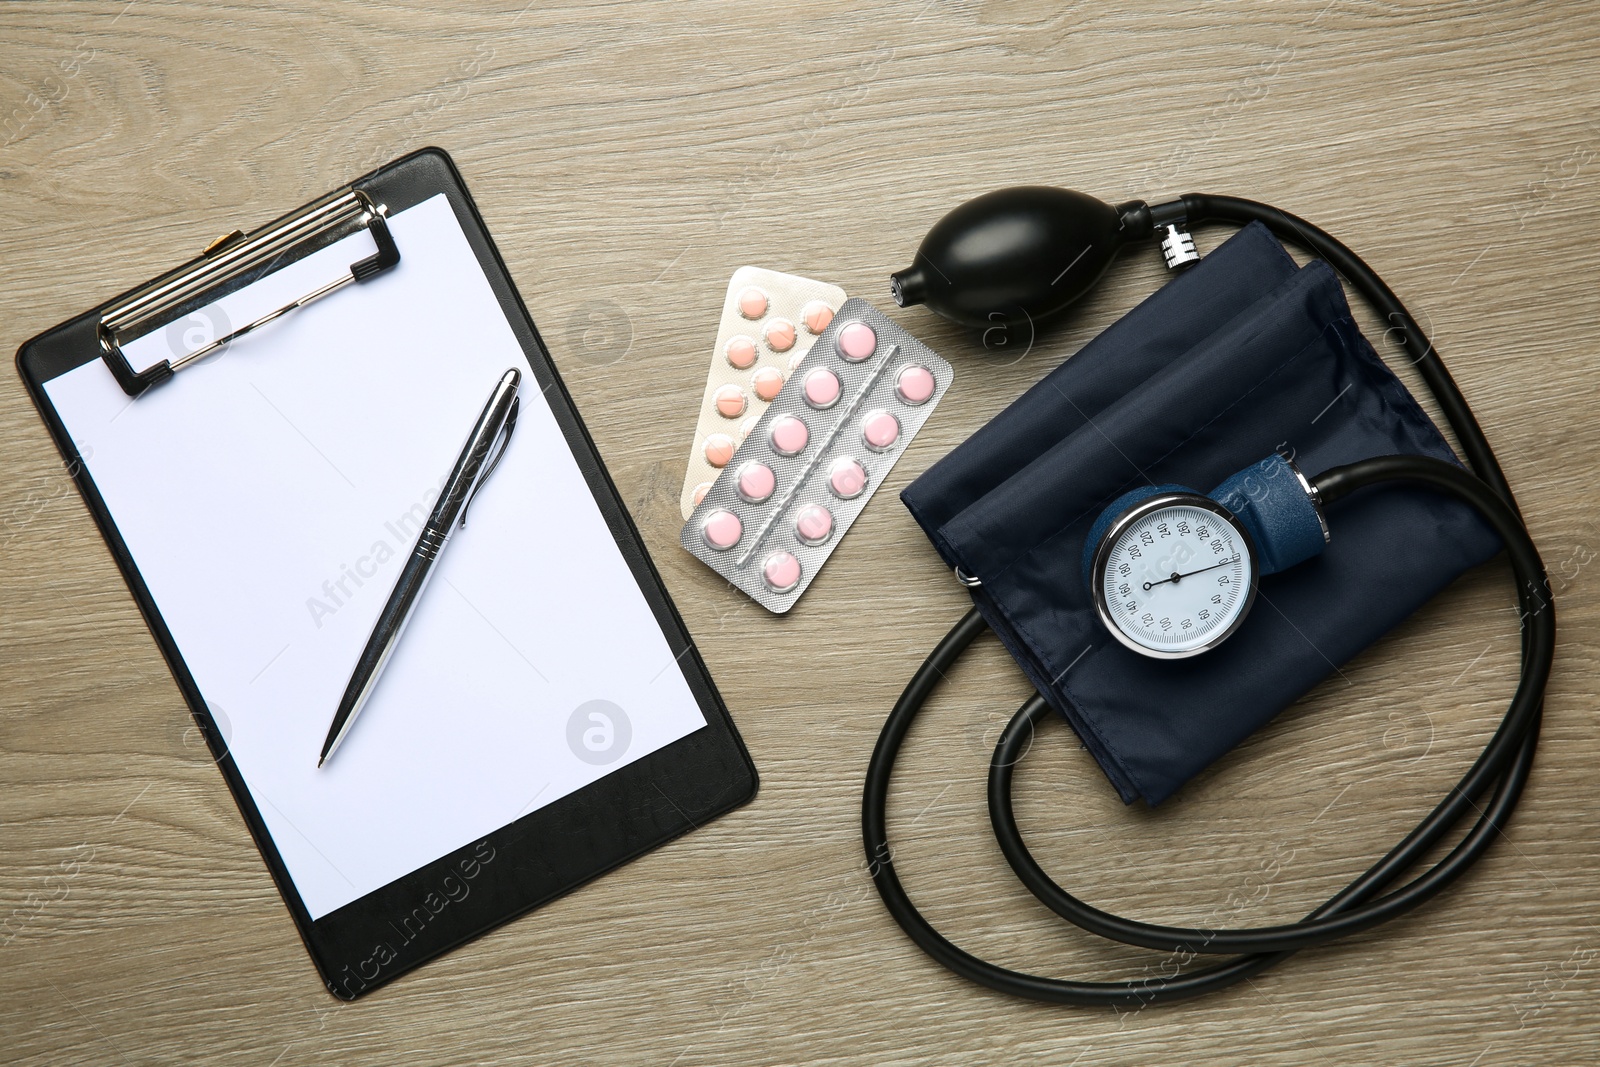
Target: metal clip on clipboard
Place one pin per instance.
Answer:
(231, 262)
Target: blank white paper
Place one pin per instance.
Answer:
(269, 495)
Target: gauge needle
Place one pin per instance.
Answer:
(1176, 576)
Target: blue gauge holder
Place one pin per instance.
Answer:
(1268, 498)
(1244, 355)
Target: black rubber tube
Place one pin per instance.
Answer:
(1500, 772)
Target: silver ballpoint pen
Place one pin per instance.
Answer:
(474, 465)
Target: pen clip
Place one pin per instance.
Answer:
(505, 442)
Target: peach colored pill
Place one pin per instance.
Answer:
(767, 382)
(781, 572)
(814, 524)
(756, 482)
(847, 478)
(880, 430)
(722, 529)
(822, 388)
(730, 401)
(740, 352)
(719, 449)
(779, 334)
(700, 492)
(752, 303)
(746, 426)
(816, 315)
(789, 435)
(915, 385)
(856, 342)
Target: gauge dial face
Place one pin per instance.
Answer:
(1174, 576)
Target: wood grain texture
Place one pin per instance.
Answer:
(627, 158)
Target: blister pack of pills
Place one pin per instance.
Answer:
(813, 460)
(769, 322)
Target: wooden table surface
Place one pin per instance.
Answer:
(627, 157)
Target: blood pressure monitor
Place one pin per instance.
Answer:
(1172, 572)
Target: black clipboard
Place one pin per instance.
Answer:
(542, 855)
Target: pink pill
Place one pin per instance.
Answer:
(856, 342)
(722, 529)
(740, 352)
(767, 382)
(880, 430)
(779, 334)
(756, 482)
(789, 435)
(781, 572)
(915, 385)
(814, 524)
(822, 388)
(700, 492)
(752, 303)
(847, 478)
(719, 449)
(730, 401)
(816, 315)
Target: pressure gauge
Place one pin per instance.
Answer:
(1174, 575)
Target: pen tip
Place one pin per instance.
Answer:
(320, 761)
